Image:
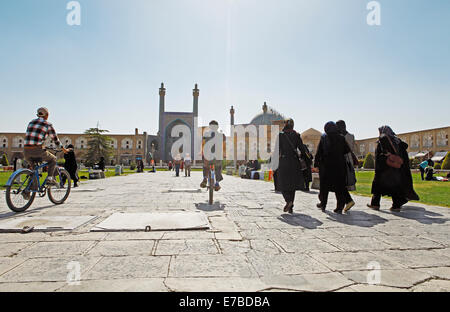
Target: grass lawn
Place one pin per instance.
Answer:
(430, 192)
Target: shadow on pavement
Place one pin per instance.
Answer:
(418, 214)
(206, 207)
(299, 219)
(356, 217)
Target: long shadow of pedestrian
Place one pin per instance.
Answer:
(217, 206)
(418, 214)
(358, 218)
(299, 219)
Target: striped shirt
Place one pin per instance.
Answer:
(38, 130)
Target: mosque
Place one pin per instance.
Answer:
(159, 145)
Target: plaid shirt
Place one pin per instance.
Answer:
(38, 130)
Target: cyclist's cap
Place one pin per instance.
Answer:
(42, 111)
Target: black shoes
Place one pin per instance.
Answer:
(338, 210)
(320, 206)
(289, 208)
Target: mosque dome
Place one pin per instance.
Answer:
(266, 117)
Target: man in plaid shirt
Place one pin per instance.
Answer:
(37, 131)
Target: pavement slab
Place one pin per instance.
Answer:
(248, 245)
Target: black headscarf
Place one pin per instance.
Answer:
(331, 130)
(386, 130)
(342, 127)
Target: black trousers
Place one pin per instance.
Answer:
(422, 171)
(397, 201)
(342, 197)
(289, 196)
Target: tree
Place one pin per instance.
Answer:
(369, 162)
(4, 160)
(99, 145)
(446, 162)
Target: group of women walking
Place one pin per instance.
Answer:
(335, 162)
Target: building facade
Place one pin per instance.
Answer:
(421, 144)
(127, 147)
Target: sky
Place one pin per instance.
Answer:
(313, 61)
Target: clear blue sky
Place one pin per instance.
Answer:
(314, 60)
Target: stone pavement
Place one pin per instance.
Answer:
(252, 245)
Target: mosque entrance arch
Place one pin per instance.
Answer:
(169, 140)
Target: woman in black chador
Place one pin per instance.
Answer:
(290, 176)
(330, 159)
(71, 164)
(388, 180)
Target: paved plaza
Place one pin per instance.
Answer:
(251, 244)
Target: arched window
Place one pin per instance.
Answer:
(18, 142)
(113, 143)
(442, 138)
(362, 149)
(65, 141)
(372, 148)
(415, 141)
(3, 142)
(127, 143)
(428, 140)
(139, 144)
(81, 143)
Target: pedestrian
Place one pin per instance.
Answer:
(330, 161)
(15, 164)
(170, 165)
(177, 163)
(187, 165)
(290, 177)
(70, 165)
(307, 173)
(350, 158)
(422, 166)
(392, 172)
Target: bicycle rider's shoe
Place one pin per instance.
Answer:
(204, 182)
(217, 187)
(51, 181)
(26, 195)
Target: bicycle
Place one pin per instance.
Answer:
(211, 183)
(24, 184)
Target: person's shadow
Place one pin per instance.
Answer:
(217, 206)
(299, 219)
(12, 214)
(356, 217)
(418, 214)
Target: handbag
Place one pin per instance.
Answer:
(393, 160)
(298, 154)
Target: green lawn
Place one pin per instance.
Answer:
(430, 192)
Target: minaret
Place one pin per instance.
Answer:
(162, 95)
(161, 134)
(232, 116)
(195, 93)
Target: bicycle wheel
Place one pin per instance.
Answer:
(18, 195)
(58, 193)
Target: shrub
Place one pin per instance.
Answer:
(132, 166)
(369, 162)
(61, 162)
(437, 166)
(446, 163)
(4, 160)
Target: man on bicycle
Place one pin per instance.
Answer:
(37, 131)
(213, 130)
